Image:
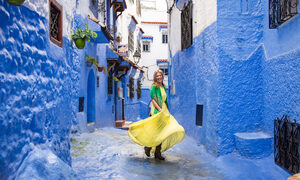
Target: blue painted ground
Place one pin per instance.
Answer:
(108, 153)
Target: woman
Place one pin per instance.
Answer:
(161, 131)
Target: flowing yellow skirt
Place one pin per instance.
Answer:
(160, 128)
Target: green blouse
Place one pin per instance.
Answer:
(155, 94)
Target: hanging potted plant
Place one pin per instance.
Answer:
(116, 79)
(139, 90)
(91, 60)
(131, 88)
(15, 2)
(81, 36)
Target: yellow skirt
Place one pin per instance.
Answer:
(160, 128)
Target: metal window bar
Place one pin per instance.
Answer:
(281, 11)
(54, 18)
(186, 26)
(110, 82)
(286, 144)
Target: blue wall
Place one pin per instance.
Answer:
(39, 88)
(243, 73)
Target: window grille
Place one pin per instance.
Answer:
(55, 23)
(130, 41)
(164, 38)
(281, 11)
(286, 144)
(109, 81)
(164, 68)
(146, 46)
(94, 7)
(186, 26)
(81, 104)
(165, 71)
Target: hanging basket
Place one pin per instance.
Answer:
(80, 43)
(15, 2)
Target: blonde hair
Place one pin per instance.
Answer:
(155, 83)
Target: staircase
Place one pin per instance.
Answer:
(123, 124)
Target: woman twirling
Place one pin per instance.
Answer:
(160, 131)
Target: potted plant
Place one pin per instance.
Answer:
(81, 36)
(116, 79)
(139, 90)
(131, 88)
(91, 60)
(15, 2)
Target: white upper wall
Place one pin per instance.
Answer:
(154, 12)
(204, 14)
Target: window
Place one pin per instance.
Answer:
(110, 80)
(281, 11)
(164, 38)
(130, 40)
(55, 22)
(165, 71)
(164, 68)
(94, 7)
(186, 26)
(146, 46)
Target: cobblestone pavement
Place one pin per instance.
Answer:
(108, 153)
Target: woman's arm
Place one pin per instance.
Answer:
(156, 105)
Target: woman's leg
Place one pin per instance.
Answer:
(157, 153)
(147, 151)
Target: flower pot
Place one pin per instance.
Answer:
(15, 2)
(100, 68)
(80, 43)
(89, 63)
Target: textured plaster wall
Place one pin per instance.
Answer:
(281, 70)
(39, 87)
(197, 83)
(246, 75)
(240, 31)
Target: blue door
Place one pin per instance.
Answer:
(91, 114)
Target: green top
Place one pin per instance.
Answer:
(155, 94)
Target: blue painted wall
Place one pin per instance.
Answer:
(243, 73)
(39, 84)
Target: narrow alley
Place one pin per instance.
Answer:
(211, 87)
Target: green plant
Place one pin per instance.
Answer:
(15, 2)
(131, 88)
(116, 79)
(92, 59)
(81, 36)
(139, 90)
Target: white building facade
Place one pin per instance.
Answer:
(154, 41)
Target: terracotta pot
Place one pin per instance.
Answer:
(15, 2)
(100, 68)
(80, 43)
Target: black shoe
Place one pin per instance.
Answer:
(147, 151)
(157, 153)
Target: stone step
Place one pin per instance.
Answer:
(253, 144)
(119, 123)
(126, 125)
